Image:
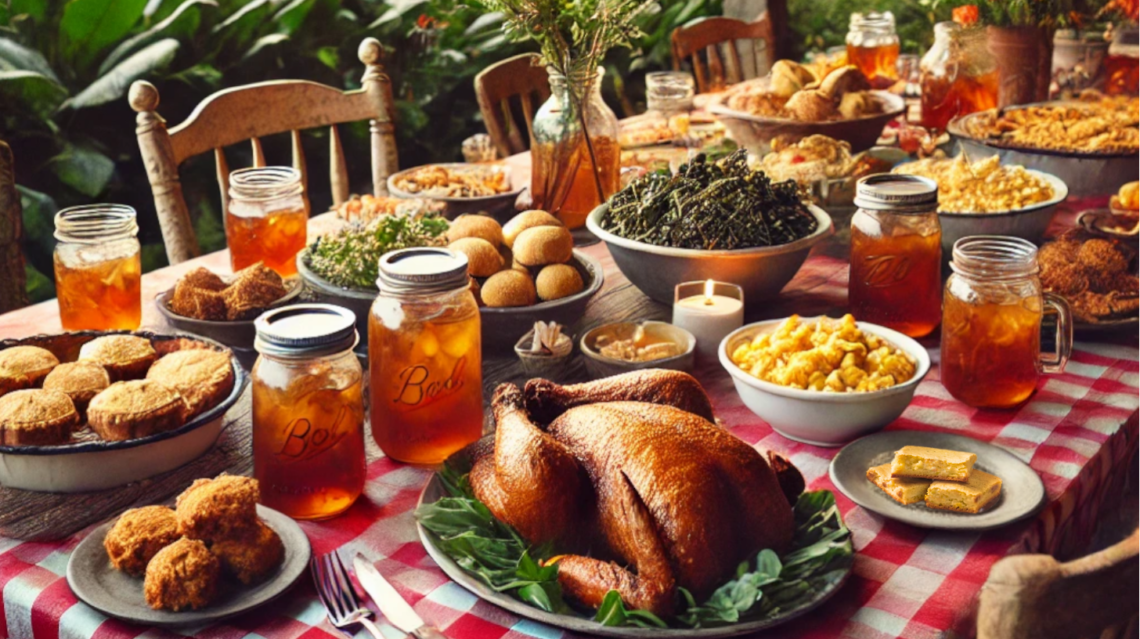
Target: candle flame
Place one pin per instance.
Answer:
(709, 284)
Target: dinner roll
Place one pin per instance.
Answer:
(479, 226)
(542, 245)
(483, 258)
(557, 281)
(524, 221)
(508, 288)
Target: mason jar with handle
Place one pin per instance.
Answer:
(992, 313)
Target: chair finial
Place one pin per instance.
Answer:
(370, 51)
(143, 96)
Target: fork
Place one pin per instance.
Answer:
(336, 592)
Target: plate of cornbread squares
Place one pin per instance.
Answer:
(937, 480)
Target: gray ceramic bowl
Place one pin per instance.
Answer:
(502, 327)
(762, 272)
(237, 335)
(1085, 173)
(501, 206)
(1028, 223)
(599, 366)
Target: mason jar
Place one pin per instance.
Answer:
(959, 75)
(873, 47)
(308, 411)
(896, 254)
(98, 269)
(267, 218)
(425, 356)
(991, 323)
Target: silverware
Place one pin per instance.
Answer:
(395, 609)
(343, 606)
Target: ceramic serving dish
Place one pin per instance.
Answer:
(96, 465)
(814, 417)
(756, 132)
(599, 366)
(500, 206)
(761, 272)
(1028, 223)
(238, 335)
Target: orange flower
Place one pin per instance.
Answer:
(966, 15)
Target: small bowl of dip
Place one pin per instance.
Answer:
(621, 347)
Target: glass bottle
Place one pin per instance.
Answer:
(959, 75)
(991, 323)
(425, 356)
(98, 269)
(1122, 66)
(564, 179)
(873, 47)
(267, 218)
(308, 411)
(896, 254)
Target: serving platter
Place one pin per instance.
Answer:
(92, 464)
(434, 490)
(1022, 491)
(96, 583)
(499, 206)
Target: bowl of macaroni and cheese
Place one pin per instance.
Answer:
(989, 198)
(824, 381)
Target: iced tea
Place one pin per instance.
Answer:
(274, 239)
(98, 294)
(308, 437)
(878, 63)
(573, 200)
(896, 280)
(990, 350)
(944, 99)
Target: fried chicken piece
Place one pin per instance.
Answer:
(197, 303)
(204, 279)
(1064, 279)
(1090, 307)
(1123, 303)
(251, 556)
(137, 537)
(215, 509)
(1102, 255)
(253, 290)
(182, 576)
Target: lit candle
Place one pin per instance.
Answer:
(709, 310)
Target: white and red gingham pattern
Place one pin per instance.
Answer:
(907, 582)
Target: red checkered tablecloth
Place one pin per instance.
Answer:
(1078, 431)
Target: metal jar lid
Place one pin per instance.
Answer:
(422, 270)
(305, 330)
(897, 192)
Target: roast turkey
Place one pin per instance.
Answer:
(633, 484)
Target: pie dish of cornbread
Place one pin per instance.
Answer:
(88, 392)
(932, 463)
(969, 497)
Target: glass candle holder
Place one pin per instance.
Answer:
(709, 310)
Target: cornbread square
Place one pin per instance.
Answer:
(932, 463)
(903, 490)
(970, 497)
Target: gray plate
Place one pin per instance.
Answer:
(1022, 492)
(96, 583)
(433, 491)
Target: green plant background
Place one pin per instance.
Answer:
(66, 66)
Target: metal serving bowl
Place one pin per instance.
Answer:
(501, 206)
(761, 272)
(1028, 223)
(1086, 173)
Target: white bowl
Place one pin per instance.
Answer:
(815, 417)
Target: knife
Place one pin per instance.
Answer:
(395, 609)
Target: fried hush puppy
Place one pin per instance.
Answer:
(216, 509)
(253, 290)
(251, 556)
(182, 576)
(557, 281)
(483, 258)
(137, 537)
(199, 303)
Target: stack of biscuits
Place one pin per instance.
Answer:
(187, 555)
(119, 387)
(943, 479)
(202, 294)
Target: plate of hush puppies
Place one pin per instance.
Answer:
(215, 554)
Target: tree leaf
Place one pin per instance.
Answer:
(239, 29)
(38, 214)
(35, 8)
(114, 84)
(265, 42)
(16, 57)
(85, 170)
(180, 25)
(88, 26)
(289, 17)
(32, 91)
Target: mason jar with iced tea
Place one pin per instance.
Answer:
(267, 218)
(308, 411)
(425, 357)
(991, 323)
(896, 254)
(873, 47)
(98, 269)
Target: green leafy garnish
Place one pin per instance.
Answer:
(350, 257)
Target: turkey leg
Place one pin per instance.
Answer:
(545, 400)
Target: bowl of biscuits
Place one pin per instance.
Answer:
(91, 410)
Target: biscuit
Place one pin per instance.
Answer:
(36, 417)
(251, 556)
(541, 245)
(182, 576)
(215, 509)
(197, 303)
(81, 381)
(557, 281)
(124, 356)
(254, 289)
(508, 288)
(138, 408)
(137, 537)
(29, 362)
(202, 376)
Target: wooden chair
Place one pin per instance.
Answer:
(1036, 597)
(13, 285)
(248, 113)
(717, 38)
(510, 93)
